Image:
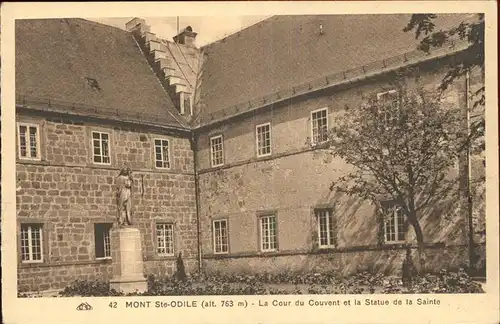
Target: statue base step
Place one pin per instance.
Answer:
(128, 286)
(128, 265)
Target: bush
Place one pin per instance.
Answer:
(89, 289)
(447, 282)
(453, 282)
(215, 284)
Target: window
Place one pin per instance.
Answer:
(29, 141)
(263, 138)
(162, 154)
(394, 224)
(217, 151)
(93, 83)
(31, 243)
(221, 244)
(165, 239)
(326, 234)
(102, 240)
(268, 240)
(319, 120)
(100, 143)
(388, 100)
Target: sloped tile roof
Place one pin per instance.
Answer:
(59, 59)
(284, 51)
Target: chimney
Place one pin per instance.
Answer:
(186, 37)
(137, 25)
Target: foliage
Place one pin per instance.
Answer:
(400, 150)
(472, 31)
(361, 283)
(409, 151)
(457, 282)
(89, 289)
(189, 287)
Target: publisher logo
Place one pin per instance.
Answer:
(84, 306)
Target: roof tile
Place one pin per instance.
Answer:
(89, 64)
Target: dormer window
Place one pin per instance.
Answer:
(93, 83)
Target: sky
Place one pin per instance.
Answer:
(209, 29)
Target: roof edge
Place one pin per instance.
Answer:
(237, 32)
(355, 78)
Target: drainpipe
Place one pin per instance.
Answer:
(194, 147)
(469, 175)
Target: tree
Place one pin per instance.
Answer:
(401, 150)
(472, 31)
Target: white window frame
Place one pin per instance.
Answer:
(28, 142)
(165, 225)
(257, 140)
(379, 96)
(329, 223)
(393, 210)
(216, 234)
(100, 147)
(162, 155)
(212, 150)
(261, 223)
(106, 243)
(30, 242)
(313, 140)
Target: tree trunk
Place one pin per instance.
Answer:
(420, 242)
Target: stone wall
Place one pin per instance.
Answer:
(296, 179)
(68, 194)
(56, 276)
(388, 261)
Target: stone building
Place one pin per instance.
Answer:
(263, 93)
(88, 104)
(217, 140)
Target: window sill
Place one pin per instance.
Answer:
(29, 263)
(221, 253)
(164, 257)
(396, 243)
(104, 259)
(101, 164)
(267, 252)
(29, 159)
(162, 169)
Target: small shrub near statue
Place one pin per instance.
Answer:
(327, 283)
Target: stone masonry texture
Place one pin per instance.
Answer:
(68, 194)
(295, 180)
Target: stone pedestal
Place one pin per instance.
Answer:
(128, 266)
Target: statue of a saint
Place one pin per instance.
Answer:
(124, 197)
